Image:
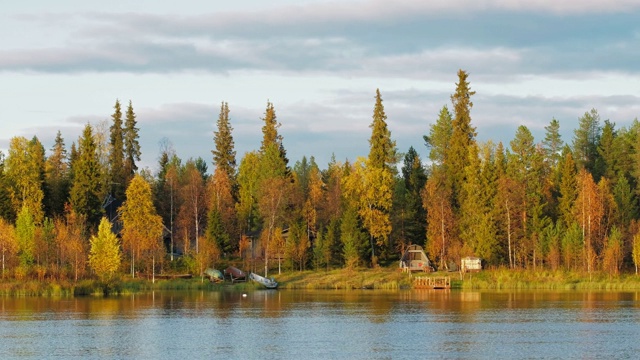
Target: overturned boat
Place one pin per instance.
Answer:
(234, 274)
(268, 283)
(215, 276)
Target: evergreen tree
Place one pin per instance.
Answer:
(57, 179)
(216, 233)
(6, 209)
(270, 134)
(552, 143)
(409, 215)
(224, 154)
(607, 160)
(352, 238)
(382, 150)
(117, 171)
(463, 135)
(585, 142)
(439, 138)
(131, 145)
(85, 189)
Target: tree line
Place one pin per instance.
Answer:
(549, 204)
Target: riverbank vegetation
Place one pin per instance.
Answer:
(538, 212)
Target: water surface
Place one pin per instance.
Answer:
(325, 325)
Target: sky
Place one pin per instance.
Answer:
(63, 64)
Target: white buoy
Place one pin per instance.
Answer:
(244, 295)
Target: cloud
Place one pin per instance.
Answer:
(406, 39)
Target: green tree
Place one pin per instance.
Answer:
(224, 154)
(552, 143)
(131, 145)
(463, 135)
(439, 138)
(408, 215)
(607, 160)
(382, 150)
(117, 172)
(25, 233)
(248, 179)
(85, 190)
(57, 178)
(585, 142)
(270, 135)
(216, 233)
(104, 255)
(351, 237)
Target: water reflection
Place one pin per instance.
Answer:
(324, 324)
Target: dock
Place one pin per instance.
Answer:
(432, 282)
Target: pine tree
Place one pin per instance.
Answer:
(439, 138)
(224, 155)
(585, 142)
(131, 145)
(85, 189)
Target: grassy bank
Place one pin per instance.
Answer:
(504, 279)
(379, 278)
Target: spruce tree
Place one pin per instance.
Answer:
(117, 171)
(463, 135)
(56, 179)
(131, 145)
(85, 189)
(382, 150)
(270, 135)
(224, 155)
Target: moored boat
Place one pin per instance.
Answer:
(268, 283)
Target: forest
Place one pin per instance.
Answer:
(87, 210)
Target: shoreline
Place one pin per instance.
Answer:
(342, 279)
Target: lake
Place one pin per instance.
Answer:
(285, 324)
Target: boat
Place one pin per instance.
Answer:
(214, 275)
(268, 283)
(234, 274)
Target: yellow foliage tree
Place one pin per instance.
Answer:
(141, 225)
(8, 242)
(105, 256)
(371, 188)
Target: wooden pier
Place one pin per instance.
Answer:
(432, 282)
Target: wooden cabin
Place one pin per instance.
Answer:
(414, 259)
(470, 264)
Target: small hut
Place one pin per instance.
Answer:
(470, 264)
(414, 259)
